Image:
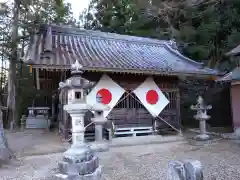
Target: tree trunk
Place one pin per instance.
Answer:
(11, 101)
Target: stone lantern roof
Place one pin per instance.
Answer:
(76, 81)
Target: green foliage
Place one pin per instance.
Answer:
(32, 14)
(205, 30)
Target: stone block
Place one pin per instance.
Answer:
(193, 170)
(185, 170)
(79, 168)
(96, 175)
(77, 158)
(176, 170)
(237, 133)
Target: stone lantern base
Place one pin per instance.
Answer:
(79, 163)
(202, 137)
(100, 146)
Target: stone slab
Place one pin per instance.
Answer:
(194, 142)
(93, 176)
(144, 140)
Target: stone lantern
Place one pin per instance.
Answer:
(78, 161)
(202, 117)
(99, 120)
(76, 106)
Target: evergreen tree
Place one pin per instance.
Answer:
(204, 30)
(19, 21)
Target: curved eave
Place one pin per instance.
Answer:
(226, 78)
(234, 52)
(177, 53)
(128, 71)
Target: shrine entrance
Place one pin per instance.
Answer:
(131, 118)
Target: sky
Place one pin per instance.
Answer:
(78, 6)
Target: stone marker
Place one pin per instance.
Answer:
(185, 170)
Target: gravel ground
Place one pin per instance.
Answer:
(221, 160)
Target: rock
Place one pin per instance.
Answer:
(185, 170)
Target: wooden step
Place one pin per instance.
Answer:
(89, 135)
(133, 131)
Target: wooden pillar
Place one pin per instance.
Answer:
(178, 109)
(53, 108)
(37, 79)
(65, 116)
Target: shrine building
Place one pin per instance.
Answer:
(233, 78)
(138, 77)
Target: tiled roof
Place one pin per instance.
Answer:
(234, 52)
(231, 76)
(59, 47)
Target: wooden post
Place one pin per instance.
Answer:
(178, 110)
(53, 108)
(37, 79)
(65, 117)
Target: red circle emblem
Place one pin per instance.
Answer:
(152, 97)
(106, 95)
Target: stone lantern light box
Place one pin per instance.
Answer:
(76, 85)
(76, 94)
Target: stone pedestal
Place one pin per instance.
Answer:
(79, 162)
(99, 120)
(99, 145)
(202, 118)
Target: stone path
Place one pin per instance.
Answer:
(221, 161)
(35, 142)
